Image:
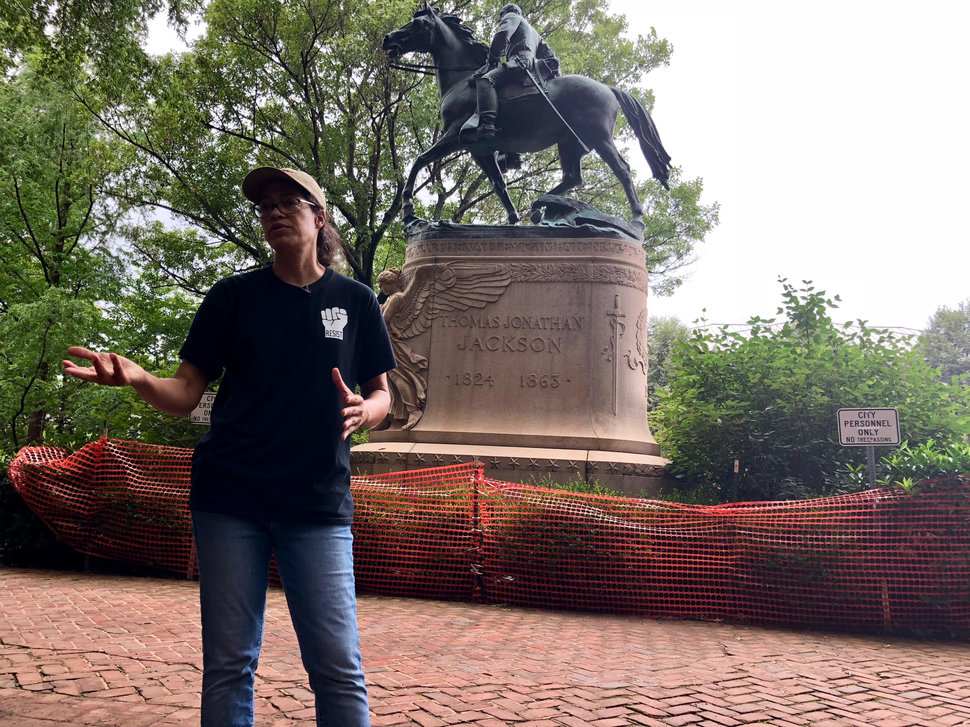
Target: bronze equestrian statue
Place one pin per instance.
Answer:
(573, 112)
(526, 52)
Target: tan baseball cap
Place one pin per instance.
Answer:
(254, 182)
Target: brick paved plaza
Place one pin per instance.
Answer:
(114, 651)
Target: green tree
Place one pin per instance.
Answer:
(61, 280)
(662, 335)
(946, 341)
(54, 263)
(769, 397)
(64, 34)
(307, 85)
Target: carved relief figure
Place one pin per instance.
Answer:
(414, 301)
(408, 385)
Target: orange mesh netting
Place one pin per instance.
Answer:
(880, 559)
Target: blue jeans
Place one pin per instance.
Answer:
(315, 563)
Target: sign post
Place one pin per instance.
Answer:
(869, 427)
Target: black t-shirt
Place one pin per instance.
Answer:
(273, 451)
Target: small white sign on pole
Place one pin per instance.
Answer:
(868, 427)
(202, 414)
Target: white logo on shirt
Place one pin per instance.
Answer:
(334, 320)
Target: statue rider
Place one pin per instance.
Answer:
(524, 51)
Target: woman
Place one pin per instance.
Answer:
(272, 475)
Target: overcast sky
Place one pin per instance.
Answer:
(835, 137)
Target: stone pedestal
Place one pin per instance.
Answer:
(531, 346)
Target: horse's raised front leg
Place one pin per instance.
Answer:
(489, 165)
(439, 150)
(621, 169)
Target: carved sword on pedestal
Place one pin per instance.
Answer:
(612, 350)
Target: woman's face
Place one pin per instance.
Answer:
(290, 231)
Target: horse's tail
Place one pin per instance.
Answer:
(641, 123)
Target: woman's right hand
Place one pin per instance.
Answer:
(109, 369)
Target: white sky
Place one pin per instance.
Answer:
(835, 137)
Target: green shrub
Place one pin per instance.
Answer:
(769, 398)
(916, 467)
(578, 484)
(24, 539)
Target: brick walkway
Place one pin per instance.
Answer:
(123, 652)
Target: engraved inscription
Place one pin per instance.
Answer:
(469, 321)
(415, 299)
(525, 246)
(543, 323)
(470, 378)
(630, 277)
(515, 334)
(541, 381)
(530, 323)
(511, 344)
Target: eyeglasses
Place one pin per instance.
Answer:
(288, 206)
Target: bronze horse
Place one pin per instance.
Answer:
(526, 124)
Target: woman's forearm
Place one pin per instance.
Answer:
(177, 396)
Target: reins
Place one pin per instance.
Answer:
(429, 69)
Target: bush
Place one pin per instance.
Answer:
(577, 484)
(769, 398)
(24, 539)
(925, 465)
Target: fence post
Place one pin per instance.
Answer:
(478, 536)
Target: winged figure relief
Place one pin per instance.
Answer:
(415, 299)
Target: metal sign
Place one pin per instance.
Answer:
(202, 414)
(868, 427)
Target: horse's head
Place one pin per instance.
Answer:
(418, 36)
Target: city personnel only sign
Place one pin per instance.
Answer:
(868, 427)
(202, 414)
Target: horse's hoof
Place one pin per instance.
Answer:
(410, 221)
(536, 216)
(513, 219)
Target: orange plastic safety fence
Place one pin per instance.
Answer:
(880, 559)
(415, 533)
(123, 501)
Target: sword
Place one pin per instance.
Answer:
(612, 351)
(552, 105)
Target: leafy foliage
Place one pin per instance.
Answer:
(307, 85)
(946, 342)
(918, 466)
(65, 33)
(54, 263)
(662, 335)
(578, 484)
(769, 397)
(24, 538)
(62, 279)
